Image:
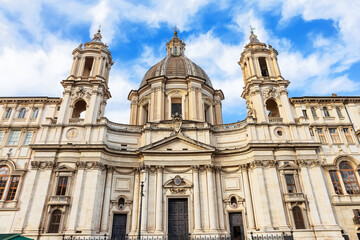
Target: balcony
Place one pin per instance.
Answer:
(294, 197)
(356, 220)
(76, 120)
(275, 120)
(59, 200)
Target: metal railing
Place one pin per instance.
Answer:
(272, 236)
(104, 237)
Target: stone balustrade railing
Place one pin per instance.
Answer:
(229, 127)
(124, 127)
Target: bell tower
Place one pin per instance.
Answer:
(265, 90)
(86, 89)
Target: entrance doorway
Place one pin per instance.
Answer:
(178, 219)
(119, 227)
(236, 226)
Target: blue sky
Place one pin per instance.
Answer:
(318, 43)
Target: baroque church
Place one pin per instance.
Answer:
(290, 170)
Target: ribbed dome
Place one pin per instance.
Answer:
(175, 66)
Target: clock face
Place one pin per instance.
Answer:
(177, 180)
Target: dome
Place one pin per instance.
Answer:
(175, 66)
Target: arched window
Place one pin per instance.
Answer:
(4, 176)
(35, 113)
(326, 112)
(338, 111)
(272, 108)
(298, 218)
(313, 112)
(79, 109)
(349, 179)
(22, 113)
(263, 67)
(55, 221)
(5, 179)
(8, 113)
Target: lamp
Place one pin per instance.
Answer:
(142, 180)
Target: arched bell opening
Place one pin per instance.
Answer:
(79, 109)
(272, 108)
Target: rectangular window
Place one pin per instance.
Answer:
(348, 137)
(3, 181)
(313, 112)
(338, 111)
(356, 216)
(334, 135)
(326, 112)
(1, 136)
(62, 185)
(176, 106)
(335, 181)
(14, 137)
(305, 114)
(311, 131)
(290, 183)
(28, 138)
(263, 67)
(13, 188)
(321, 135)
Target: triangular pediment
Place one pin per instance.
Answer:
(177, 143)
(64, 168)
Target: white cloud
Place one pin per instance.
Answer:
(219, 60)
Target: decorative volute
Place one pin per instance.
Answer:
(86, 89)
(265, 90)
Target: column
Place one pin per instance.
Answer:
(64, 110)
(197, 205)
(322, 196)
(192, 103)
(219, 199)
(135, 213)
(211, 198)
(76, 205)
(159, 200)
(248, 200)
(106, 204)
(310, 192)
(145, 202)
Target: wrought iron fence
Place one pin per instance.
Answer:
(104, 237)
(278, 236)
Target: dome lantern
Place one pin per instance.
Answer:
(175, 46)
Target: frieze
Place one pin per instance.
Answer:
(177, 190)
(308, 162)
(177, 170)
(234, 169)
(256, 163)
(122, 171)
(90, 165)
(43, 164)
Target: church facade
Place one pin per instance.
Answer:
(176, 171)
